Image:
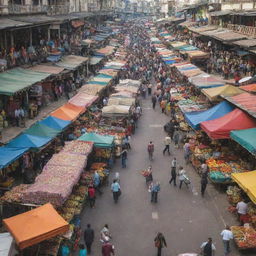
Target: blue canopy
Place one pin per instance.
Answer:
(54, 58)
(98, 82)
(195, 118)
(104, 76)
(9, 155)
(188, 68)
(28, 141)
(170, 61)
(55, 123)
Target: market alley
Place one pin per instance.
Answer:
(135, 221)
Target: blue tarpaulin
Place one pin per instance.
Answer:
(98, 82)
(28, 141)
(195, 118)
(54, 58)
(188, 68)
(55, 123)
(9, 155)
(104, 76)
(170, 61)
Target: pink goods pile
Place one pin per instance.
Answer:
(59, 176)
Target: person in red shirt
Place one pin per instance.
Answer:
(107, 249)
(91, 196)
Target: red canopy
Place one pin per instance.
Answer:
(220, 128)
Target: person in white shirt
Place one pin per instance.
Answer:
(182, 176)
(241, 208)
(227, 235)
(167, 142)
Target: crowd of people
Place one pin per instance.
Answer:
(229, 63)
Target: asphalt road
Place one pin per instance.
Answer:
(183, 216)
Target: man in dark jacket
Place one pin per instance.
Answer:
(204, 182)
(88, 237)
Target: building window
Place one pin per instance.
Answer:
(18, 2)
(35, 2)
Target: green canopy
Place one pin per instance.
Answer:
(42, 130)
(246, 138)
(100, 141)
(17, 79)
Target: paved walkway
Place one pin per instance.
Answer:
(182, 216)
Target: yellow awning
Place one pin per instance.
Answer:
(226, 90)
(246, 181)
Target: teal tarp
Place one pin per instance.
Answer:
(246, 138)
(100, 141)
(17, 79)
(42, 130)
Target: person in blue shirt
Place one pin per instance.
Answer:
(115, 187)
(82, 251)
(154, 192)
(97, 182)
(65, 251)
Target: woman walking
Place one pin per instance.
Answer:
(160, 243)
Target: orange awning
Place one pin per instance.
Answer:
(249, 87)
(68, 112)
(35, 226)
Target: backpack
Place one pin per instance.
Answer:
(208, 249)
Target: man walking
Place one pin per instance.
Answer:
(204, 182)
(154, 100)
(115, 187)
(151, 149)
(173, 171)
(167, 142)
(124, 158)
(227, 235)
(154, 192)
(88, 237)
(208, 248)
(97, 182)
(182, 177)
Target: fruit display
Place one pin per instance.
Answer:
(78, 147)
(102, 153)
(234, 194)
(244, 237)
(15, 195)
(190, 106)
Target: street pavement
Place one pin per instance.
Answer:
(182, 215)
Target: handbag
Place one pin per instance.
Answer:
(119, 192)
(157, 243)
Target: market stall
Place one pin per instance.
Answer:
(195, 118)
(246, 138)
(220, 128)
(27, 228)
(213, 94)
(116, 111)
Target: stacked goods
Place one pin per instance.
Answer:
(245, 237)
(67, 159)
(15, 195)
(220, 170)
(53, 185)
(78, 147)
(50, 247)
(234, 194)
(190, 106)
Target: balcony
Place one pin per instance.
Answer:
(20, 9)
(57, 9)
(244, 30)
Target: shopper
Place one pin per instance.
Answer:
(182, 176)
(107, 249)
(105, 234)
(151, 149)
(155, 188)
(173, 171)
(82, 250)
(167, 142)
(226, 235)
(65, 250)
(154, 100)
(116, 190)
(208, 248)
(124, 158)
(88, 237)
(160, 243)
(91, 196)
(97, 182)
(204, 182)
(242, 209)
